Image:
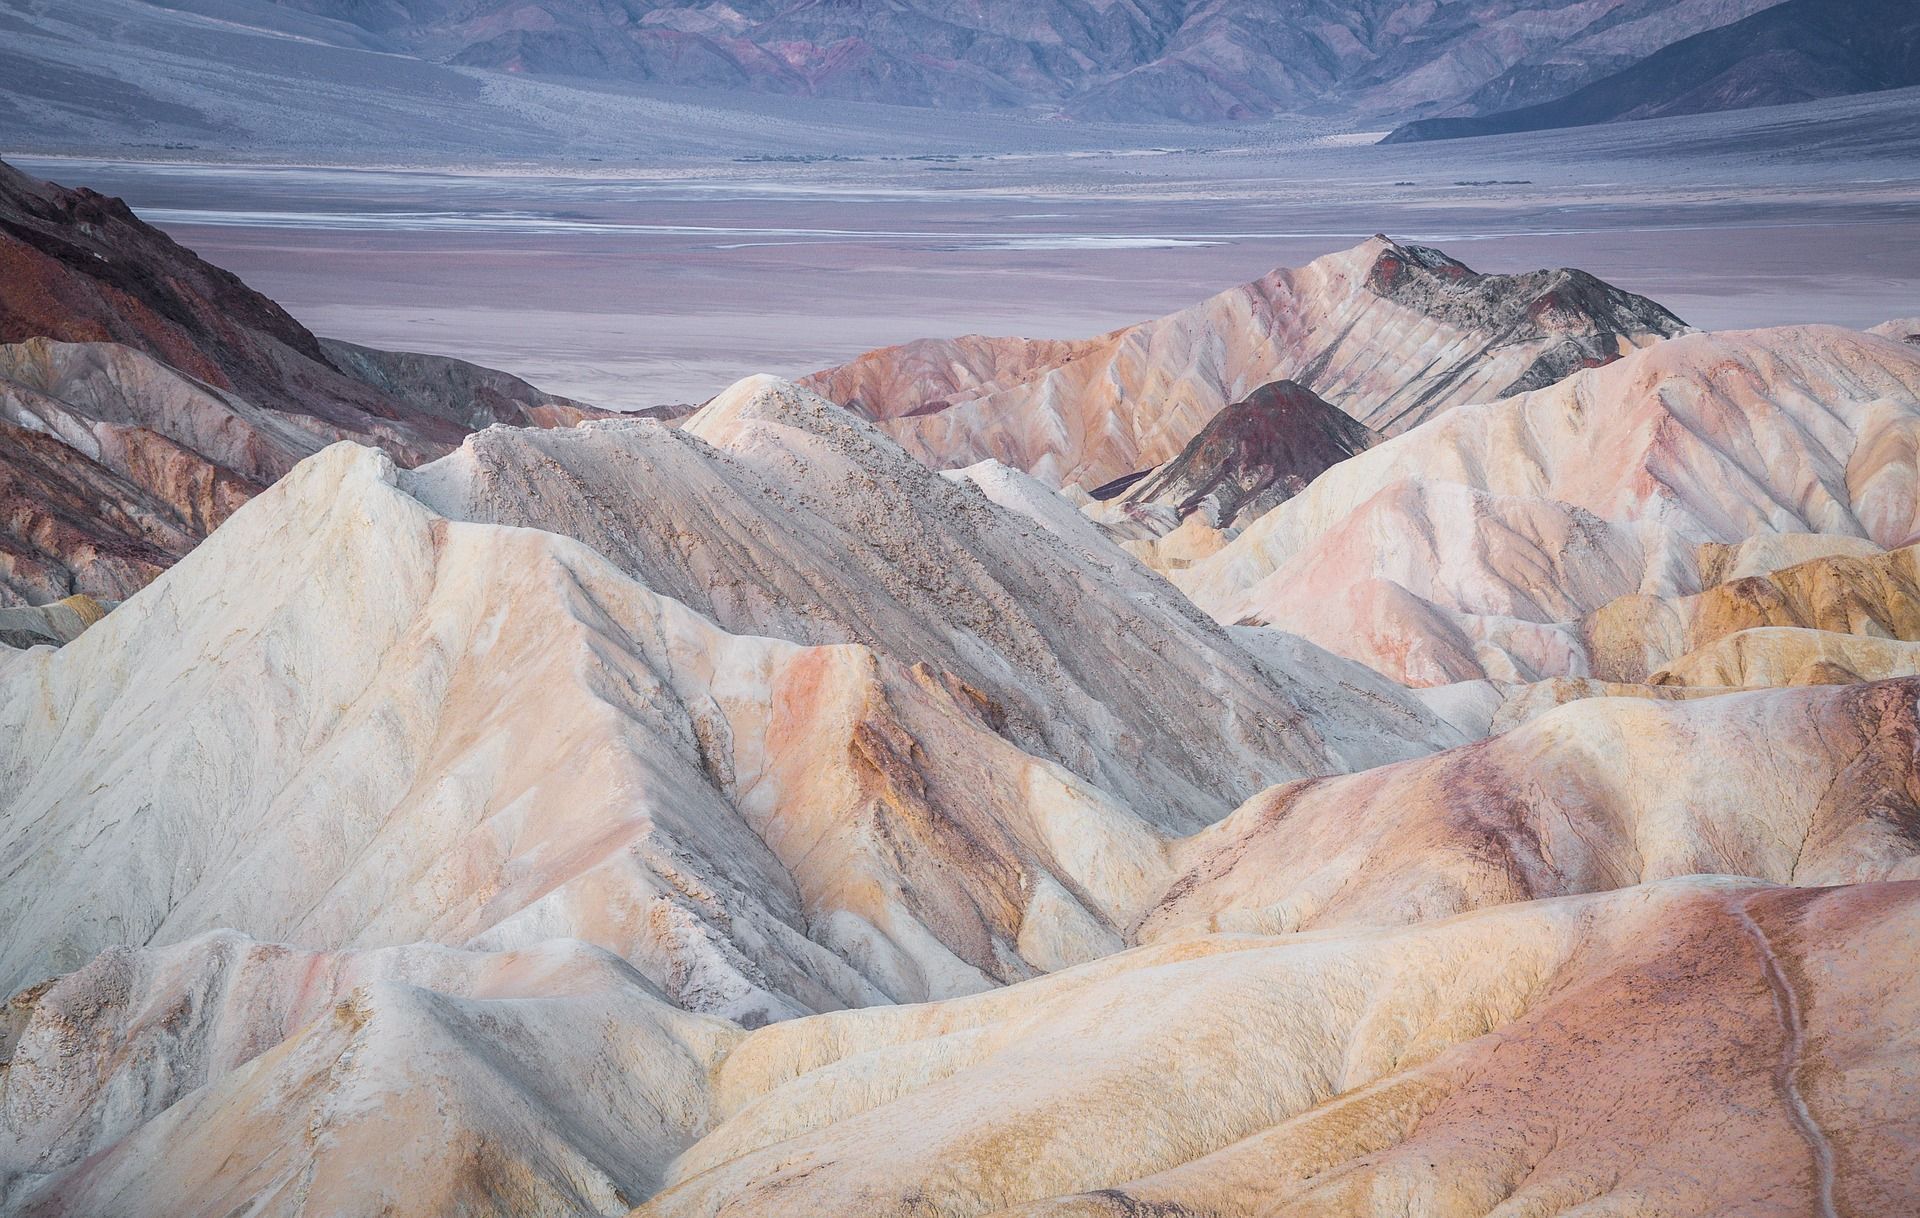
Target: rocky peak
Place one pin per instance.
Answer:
(1255, 454)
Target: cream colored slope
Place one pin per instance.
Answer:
(1435, 582)
(1722, 563)
(1786, 655)
(1860, 592)
(775, 512)
(1486, 708)
(1710, 437)
(345, 720)
(223, 1075)
(1690, 1048)
(1519, 704)
(1373, 329)
(1806, 786)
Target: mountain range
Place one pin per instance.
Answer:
(1192, 60)
(131, 70)
(1386, 739)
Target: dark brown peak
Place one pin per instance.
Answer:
(1399, 267)
(1257, 453)
(1283, 396)
(107, 274)
(1282, 424)
(1591, 318)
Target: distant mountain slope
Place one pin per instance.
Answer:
(1191, 60)
(1627, 34)
(1797, 51)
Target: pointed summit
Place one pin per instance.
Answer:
(1256, 454)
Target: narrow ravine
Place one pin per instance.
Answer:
(1786, 1004)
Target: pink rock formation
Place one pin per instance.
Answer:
(744, 818)
(1698, 1045)
(1471, 545)
(1806, 786)
(1393, 334)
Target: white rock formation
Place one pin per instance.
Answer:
(223, 1074)
(1468, 546)
(350, 721)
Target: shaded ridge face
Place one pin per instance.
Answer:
(1256, 454)
(915, 565)
(778, 715)
(1574, 319)
(69, 522)
(1394, 334)
(1797, 51)
(80, 267)
(146, 394)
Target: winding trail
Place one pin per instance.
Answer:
(1786, 1004)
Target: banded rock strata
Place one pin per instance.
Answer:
(1393, 334)
(744, 818)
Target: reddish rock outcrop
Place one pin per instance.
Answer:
(163, 393)
(1256, 454)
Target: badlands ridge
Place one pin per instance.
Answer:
(1388, 740)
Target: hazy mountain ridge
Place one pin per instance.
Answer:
(1189, 60)
(1792, 52)
(572, 81)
